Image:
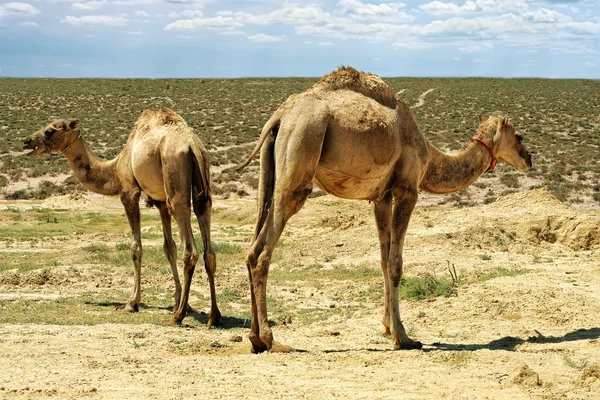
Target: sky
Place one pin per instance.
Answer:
(268, 38)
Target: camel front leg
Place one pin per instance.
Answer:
(132, 209)
(383, 219)
(404, 204)
(170, 249)
(203, 209)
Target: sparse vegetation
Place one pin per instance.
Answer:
(228, 114)
(424, 287)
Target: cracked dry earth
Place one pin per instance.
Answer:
(534, 333)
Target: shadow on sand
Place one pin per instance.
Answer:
(507, 343)
(510, 343)
(199, 316)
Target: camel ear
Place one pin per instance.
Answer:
(504, 121)
(73, 124)
(482, 118)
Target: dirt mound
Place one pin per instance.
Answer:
(35, 278)
(533, 200)
(524, 376)
(72, 201)
(590, 375)
(543, 218)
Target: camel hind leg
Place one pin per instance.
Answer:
(288, 165)
(170, 249)
(203, 208)
(178, 181)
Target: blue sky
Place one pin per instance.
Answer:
(237, 38)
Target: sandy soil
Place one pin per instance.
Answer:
(532, 335)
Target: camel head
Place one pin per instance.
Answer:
(55, 137)
(505, 141)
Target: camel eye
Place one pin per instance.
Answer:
(50, 131)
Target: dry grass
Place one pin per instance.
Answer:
(558, 118)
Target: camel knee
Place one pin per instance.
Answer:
(135, 250)
(210, 263)
(251, 260)
(260, 267)
(190, 258)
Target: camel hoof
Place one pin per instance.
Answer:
(214, 320)
(257, 345)
(386, 331)
(280, 348)
(408, 344)
(175, 321)
(258, 349)
(128, 307)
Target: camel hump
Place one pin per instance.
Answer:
(164, 116)
(370, 85)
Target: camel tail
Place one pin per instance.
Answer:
(201, 173)
(266, 182)
(271, 123)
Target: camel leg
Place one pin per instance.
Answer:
(286, 204)
(178, 182)
(404, 204)
(383, 219)
(170, 249)
(264, 201)
(203, 209)
(182, 215)
(295, 155)
(132, 209)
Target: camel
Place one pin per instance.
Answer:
(164, 159)
(350, 136)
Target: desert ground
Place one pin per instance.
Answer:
(520, 321)
(501, 280)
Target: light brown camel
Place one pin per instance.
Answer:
(166, 160)
(351, 137)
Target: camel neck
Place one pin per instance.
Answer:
(96, 174)
(447, 173)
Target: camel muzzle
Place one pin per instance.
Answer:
(32, 145)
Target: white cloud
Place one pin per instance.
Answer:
(143, 14)
(389, 11)
(261, 37)
(134, 33)
(480, 60)
(18, 9)
(456, 58)
(95, 20)
(477, 6)
(89, 5)
(545, 16)
(204, 23)
(186, 14)
(590, 64)
(413, 44)
(29, 24)
(326, 44)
